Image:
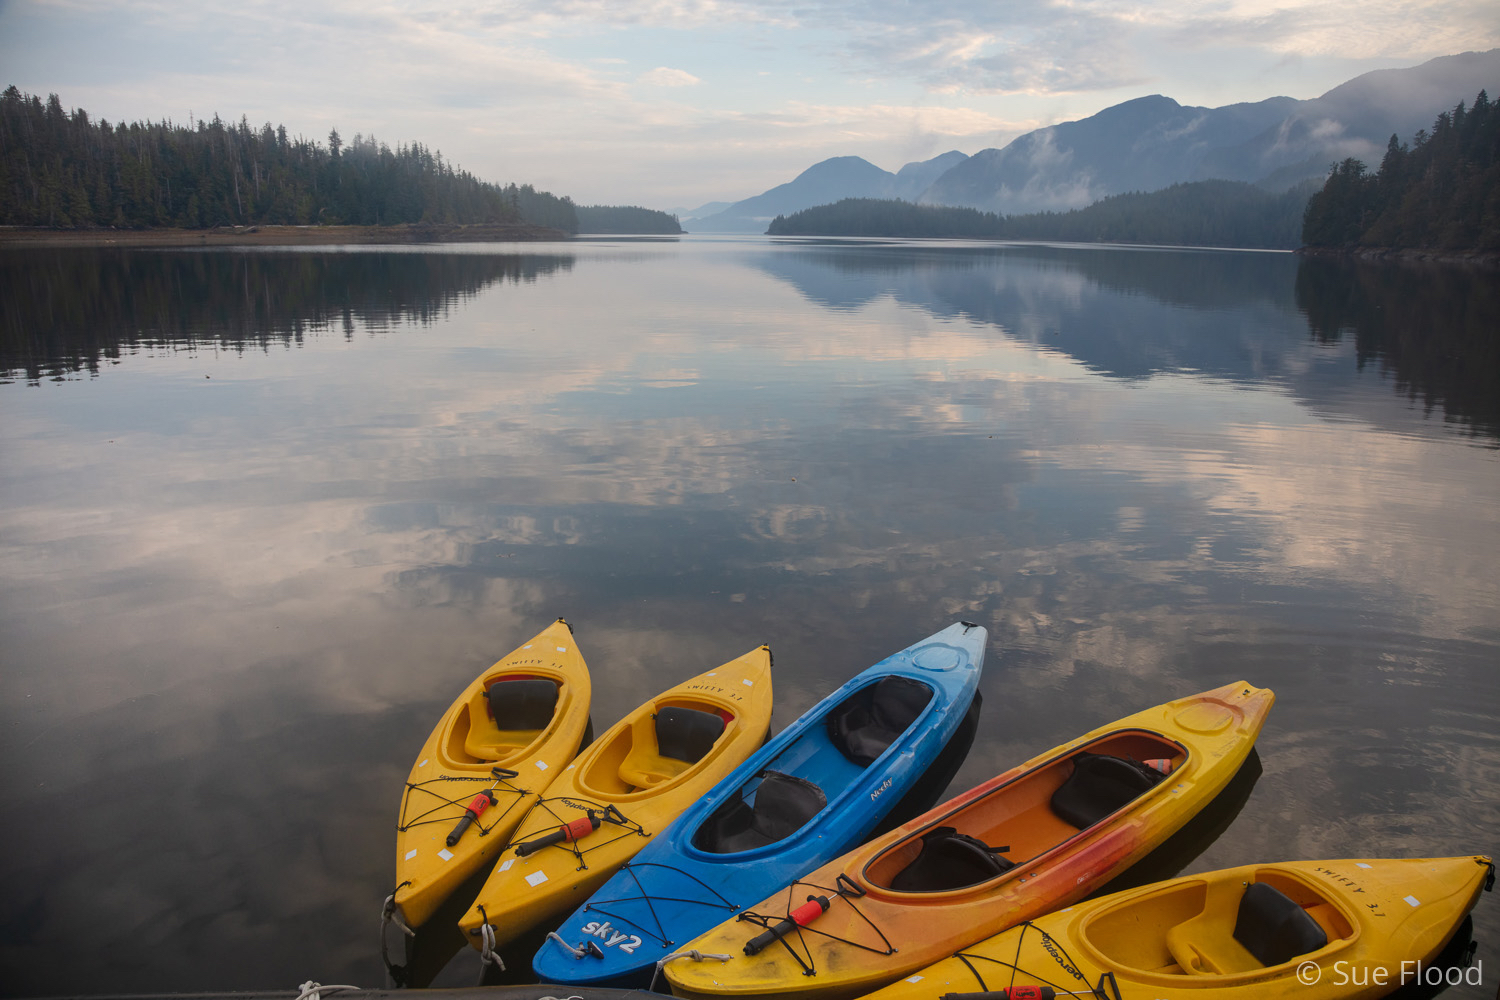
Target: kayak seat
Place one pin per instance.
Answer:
(1270, 928)
(522, 704)
(951, 860)
(509, 715)
(667, 743)
(875, 716)
(783, 805)
(1273, 927)
(1098, 786)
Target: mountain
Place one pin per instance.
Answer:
(701, 212)
(1357, 119)
(1142, 145)
(829, 181)
(914, 178)
(1153, 142)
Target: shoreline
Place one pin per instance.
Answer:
(1478, 258)
(287, 236)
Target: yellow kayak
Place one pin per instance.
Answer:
(1027, 841)
(620, 792)
(1309, 930)
(497, 748)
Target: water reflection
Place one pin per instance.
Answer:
(69, 310)
(232, 607)
(1240, 316)
(1431, 327)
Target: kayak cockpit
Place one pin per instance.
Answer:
(796, 784)
(1027, 817)
(659, 745)
(1219, 928)
(502, 718)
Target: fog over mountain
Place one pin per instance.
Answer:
(1141, 145)
(1357, 119)
(1147, 144)
(1154, 142)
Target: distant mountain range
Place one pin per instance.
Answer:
(820, 184)
(1144, 145)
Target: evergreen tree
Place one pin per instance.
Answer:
(63, 169)
(1442, 192)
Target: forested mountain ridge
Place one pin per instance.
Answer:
(62, 169)
(1205, 213)
(1440, 193)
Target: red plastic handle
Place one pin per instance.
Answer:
(810, 910)
(580, 827)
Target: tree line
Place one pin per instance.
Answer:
(1202, 213)
(1442, 192)
(626, 219)
(64, 169)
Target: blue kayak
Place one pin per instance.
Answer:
(809, 795)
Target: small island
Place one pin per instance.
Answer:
(1203, 213)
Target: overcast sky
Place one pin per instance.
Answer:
(672, 103)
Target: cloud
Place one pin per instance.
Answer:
(538, 93)
(663, 76)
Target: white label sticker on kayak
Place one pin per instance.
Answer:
(541, 765)
(445, 854)
(1413, 901)
(422, 764)
(562, 649)
(505, 865)
(1360, 864)
(748, 683)
(712, 673)
(410, 854)
(536, 878)
(527, 646)
(914, 979)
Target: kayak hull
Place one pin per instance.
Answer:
(676, 889)
(457, 763)
(635, 789)
(851, 949)
(1377, 919)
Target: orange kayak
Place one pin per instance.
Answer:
(1037, 837)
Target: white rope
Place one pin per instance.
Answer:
(578, 952)
(390, 915)
(487, 953)
(312, 991)
(692, 953)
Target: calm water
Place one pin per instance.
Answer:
(263, 513)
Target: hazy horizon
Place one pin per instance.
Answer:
(684, 102)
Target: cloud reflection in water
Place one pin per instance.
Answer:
(233, 605)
